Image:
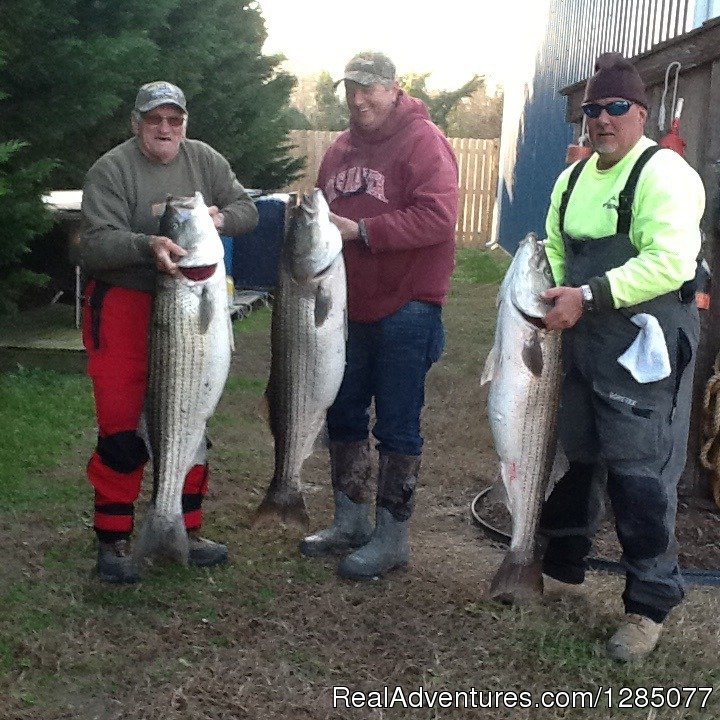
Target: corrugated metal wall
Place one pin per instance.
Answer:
(577, 32)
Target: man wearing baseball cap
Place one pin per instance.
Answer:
(121, 253)
(391, 182)
(623, 238)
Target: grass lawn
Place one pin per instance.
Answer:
(271, 634)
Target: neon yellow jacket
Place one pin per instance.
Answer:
(665, 227)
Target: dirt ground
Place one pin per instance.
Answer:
(272, 634)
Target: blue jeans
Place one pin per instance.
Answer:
(388, 360)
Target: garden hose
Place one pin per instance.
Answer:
(691, 577)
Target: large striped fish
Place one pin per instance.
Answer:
(524, 366)
(309, 329)
(190, 346)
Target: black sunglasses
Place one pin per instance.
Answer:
(615, 109)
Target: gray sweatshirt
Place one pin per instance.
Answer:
(123, 199)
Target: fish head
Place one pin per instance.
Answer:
(187, 222)
(529, 276)
(313, 241)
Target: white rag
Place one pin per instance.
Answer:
(647, 359)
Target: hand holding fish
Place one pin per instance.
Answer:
(567, 307)
(164, 249)
(218, 217)
(348, 228)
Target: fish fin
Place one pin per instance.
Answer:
(488, 371)
(323, 305)
(231, 334)
(498, 493)
(322, 439)
(559, 467)
(144, 433)
(518, 580)
(206, 311)
(532, 355)
(263, 409)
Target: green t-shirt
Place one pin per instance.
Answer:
(665, 226)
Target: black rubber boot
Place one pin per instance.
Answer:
(351, 528)
(388, 548)
(115, 563)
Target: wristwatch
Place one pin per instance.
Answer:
(588, 301)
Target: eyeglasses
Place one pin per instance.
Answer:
(615, 109)
(155, 120)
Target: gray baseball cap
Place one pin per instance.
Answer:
(369, 68)
(153, 94)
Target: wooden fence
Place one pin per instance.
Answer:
(477, 162)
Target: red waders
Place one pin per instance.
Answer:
(115, 335)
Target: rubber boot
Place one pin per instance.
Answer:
(351, 528)
(388, 548)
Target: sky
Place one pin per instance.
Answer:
(452, 39)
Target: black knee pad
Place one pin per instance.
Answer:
(122, 452)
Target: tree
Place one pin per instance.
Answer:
(74, 66)
(478, 116)
(71, 65)
(330, 112)
(23, 217)
(442, 103)
(239, 101)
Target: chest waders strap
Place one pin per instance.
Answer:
(627, 194)
(625, 199)
(574, 175)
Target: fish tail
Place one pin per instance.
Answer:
(163, 537)
(517, 580)
(283, 504)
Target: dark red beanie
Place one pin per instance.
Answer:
(615, 76)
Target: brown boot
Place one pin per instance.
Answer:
(351, 529)
(636, 637)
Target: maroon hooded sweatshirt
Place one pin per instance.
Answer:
(402, 181)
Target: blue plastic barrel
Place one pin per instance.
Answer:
(228, 242)
(256, 254)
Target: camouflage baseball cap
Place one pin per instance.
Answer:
(157, 93)
(369, 68)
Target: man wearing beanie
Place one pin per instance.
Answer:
(623, 238)
(391, 181)
(122, 253)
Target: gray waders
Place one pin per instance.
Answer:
(638, 432)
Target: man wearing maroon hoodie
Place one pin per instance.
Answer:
(391, 181)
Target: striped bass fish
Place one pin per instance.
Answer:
(190, 347)
(309, 329)
(524, 367)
